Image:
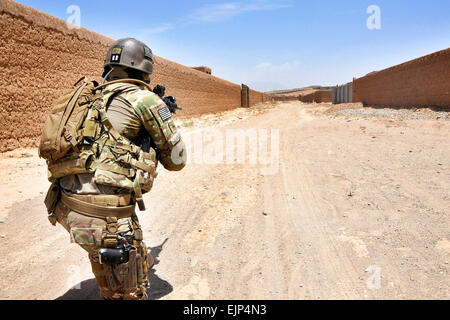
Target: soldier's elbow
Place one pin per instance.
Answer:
(176, 159)
(174, 167)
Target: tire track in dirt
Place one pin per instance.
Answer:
(233, 233)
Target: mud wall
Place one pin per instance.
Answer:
(323, 96)
(292, 98)
(257, 97)
(307, 98)
(417, 83)
(41, 58)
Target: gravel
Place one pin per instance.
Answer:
(395, 114)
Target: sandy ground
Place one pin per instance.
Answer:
(357, 208)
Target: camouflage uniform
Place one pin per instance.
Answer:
(133, 113)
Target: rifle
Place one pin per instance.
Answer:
(170, 101)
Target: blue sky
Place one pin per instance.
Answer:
(271, 44)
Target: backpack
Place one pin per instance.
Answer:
(61, 131)
(79, 138)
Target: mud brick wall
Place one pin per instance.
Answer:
(41, 58)
(307, 98)
(257, 97)
(417, 83)
(323, 96)
(292, 98)
(283, 98)
(277, 98)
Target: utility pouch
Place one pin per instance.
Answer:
(51, 200)
(139, 269)
(123, 277)
(138, 235)
(75, 163)
(142, 266)
(147, 176)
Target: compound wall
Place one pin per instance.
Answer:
(283, 98)
(322, 96)
(257, 97)
(417, 83)
(308, 98)
(41, 58)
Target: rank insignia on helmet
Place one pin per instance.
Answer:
(115, 58)
(115, 54)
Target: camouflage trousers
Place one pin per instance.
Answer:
(121, 282)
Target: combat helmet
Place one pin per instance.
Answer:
(130, 53)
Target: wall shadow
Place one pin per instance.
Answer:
(88, 289)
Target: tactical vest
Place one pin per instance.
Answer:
(95, 146)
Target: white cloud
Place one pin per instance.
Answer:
(224, 11)
(220, 12)
(269, 66)
(161, 28)
(263, 66)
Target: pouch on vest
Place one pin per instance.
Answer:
(51, 200)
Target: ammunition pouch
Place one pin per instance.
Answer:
(138, 236)
(75, 163)
(51, 200)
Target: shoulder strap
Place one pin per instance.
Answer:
(100, 106)
(135, 81)
(104, 100)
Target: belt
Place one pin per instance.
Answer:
(105, 199)
(96, 211)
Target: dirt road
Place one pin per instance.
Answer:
(357, 208)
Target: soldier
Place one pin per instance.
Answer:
(96, 206)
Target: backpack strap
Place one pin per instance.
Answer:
(84, 79)
(120, 142)
(69, 136)
(135, 81)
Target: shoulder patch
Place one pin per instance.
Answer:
(142, 99)
(165, 113)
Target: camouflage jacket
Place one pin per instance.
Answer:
(136, 114)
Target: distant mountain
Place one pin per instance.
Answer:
(298, 91)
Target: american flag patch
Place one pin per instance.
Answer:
(165, 114)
